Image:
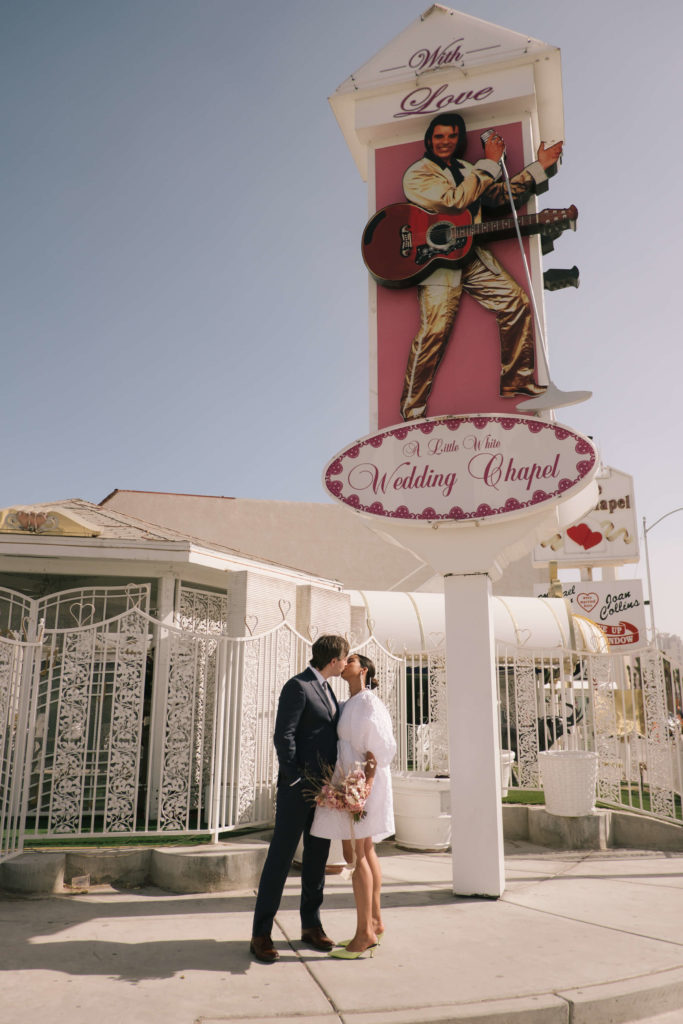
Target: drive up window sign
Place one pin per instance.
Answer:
(616, 606)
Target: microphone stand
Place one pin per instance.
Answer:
(553, 397)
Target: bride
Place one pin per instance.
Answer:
(365, 737)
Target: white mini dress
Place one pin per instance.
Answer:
(364, 724)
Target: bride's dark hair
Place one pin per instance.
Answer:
(371, 678)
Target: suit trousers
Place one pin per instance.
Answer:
(293, 817)
(439, 304)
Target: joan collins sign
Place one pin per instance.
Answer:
(462, 468)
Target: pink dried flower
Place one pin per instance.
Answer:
(350, 794)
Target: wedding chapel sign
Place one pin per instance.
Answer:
(462, 468)
(453, 472)
(606, 535)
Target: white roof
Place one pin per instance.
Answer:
(415, 622)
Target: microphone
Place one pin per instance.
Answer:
(488, 134)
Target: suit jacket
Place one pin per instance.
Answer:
(305, 735)
(433, 188)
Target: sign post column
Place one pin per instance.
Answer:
(478, 866)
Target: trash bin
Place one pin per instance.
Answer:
(569, 778)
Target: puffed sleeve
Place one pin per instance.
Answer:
(374, 730)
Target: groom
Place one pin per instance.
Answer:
(306, 744)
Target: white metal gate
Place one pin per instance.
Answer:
(17, 714)
(115, 723)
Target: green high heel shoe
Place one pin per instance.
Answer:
(349, 954)
(379, 940)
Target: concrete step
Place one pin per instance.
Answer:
(629, 1001)
(602, 830)
(219, 867)
(236, 863)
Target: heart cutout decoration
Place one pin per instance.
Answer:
(523, 637)
(582, 535)
(587, 600)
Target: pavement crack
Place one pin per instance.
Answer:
(307, 967)
(594, 924)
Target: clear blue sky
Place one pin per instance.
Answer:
(185, 310)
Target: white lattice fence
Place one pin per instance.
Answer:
(620, 706)
(130, 725)
(17, 714)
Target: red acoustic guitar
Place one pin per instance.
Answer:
(402, 244)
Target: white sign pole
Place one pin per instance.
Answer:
(476, 812)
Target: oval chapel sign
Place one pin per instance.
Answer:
(459, 468)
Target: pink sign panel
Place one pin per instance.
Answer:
(461, 468)
(468, 376)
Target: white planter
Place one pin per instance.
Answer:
(335, 860)
(422, 810)
(569, 778)
(506, 759)
(422, 806)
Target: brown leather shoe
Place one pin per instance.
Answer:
(261, 946)
(316, 937)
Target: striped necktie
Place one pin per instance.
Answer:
(330, 699)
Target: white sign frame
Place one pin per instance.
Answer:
(461, 469)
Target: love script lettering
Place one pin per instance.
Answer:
(430, 101)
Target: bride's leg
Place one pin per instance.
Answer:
(347, 849)
(362, 890)
(376, 871)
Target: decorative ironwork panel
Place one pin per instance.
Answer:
(87, 752)
(77, 678)
(202, 611)
(248, 730)
(175, 786)
(600, 673)
(524, 709)
(660, 746)
(15, 609)
(130, 650)
(14, 698)
(439, 760)
(89, 606)
(391, 681)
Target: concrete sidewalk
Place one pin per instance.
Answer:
(578, 938)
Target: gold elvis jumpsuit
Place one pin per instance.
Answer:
(432, 187)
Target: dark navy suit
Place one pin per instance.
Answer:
(305, 739)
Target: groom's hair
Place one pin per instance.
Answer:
(326, 648)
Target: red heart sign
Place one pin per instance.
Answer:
(584, 536)
(587, 601)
